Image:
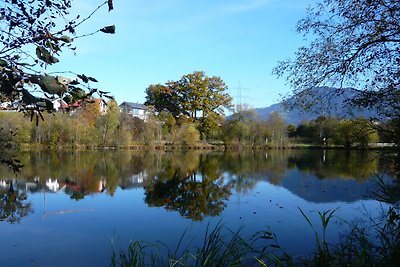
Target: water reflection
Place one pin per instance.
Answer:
(191, 196)
(192, 184)
(195, 184)
(13, 202)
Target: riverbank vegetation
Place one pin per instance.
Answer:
(188, 113)
(88, 127)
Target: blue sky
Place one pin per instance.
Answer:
(160, 40)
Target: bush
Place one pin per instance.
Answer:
(190, 135)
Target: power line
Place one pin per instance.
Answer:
(239, 96)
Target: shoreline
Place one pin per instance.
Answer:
(199, 146)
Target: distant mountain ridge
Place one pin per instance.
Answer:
(327, 102)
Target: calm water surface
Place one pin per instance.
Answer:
(64, 209)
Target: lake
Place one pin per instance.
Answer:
(67, 208)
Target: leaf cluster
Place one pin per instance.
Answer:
(46, 28)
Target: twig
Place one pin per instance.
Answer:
(85, 19)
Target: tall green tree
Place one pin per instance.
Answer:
(192, 89)
(204, 99)
(200, 98)
(355, 44)
(202, 94)
(210, 125)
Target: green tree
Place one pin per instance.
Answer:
(238, 127)
(200, 98)
(202, 94)
(307, 132)
(163, 98)
(107, 123)
(169, 125)
(278, 128)
(190, 135)
(292, 131)
(366, 132)
(130, 129)
(359, 132)
(390, 131)
(192, 89)
(352, 44)
(210, 126)
(152, 130)
(245, 127)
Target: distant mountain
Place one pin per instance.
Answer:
(326, 101)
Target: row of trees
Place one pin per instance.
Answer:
(88, 127)
(244, 127)
(343, 132)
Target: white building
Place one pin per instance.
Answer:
(134, 109)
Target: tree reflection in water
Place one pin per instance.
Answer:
(197, 184)
(195, 190)
(13, 204)
(191, 197)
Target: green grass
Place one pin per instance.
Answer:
(220, 247)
